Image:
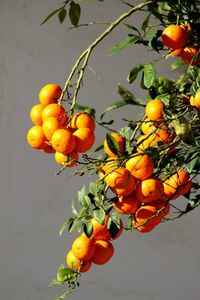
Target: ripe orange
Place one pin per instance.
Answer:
(83, 247)
(190, 55)
(110, 165)
(162, 207)
(103, 252)
(36, 137)
(174, 36)
(147, 126)
(147, 227)
(140, 166)
(154, 109)
(83, 120)
(85, 139)
(195, 100)
(147, 214)
(49, 126)
(127, 204)
(68, 160)
(120, 140)
(101, 232)
(47, 148)
(149, 190)
(119, 178)
(74, 263)
(63, 141)
(176, 52)
(36, 114)
(50, 93)
(53, 110)
(128, 190)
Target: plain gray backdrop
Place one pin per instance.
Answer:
(162, 265)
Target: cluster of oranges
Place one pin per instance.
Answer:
(55, 132)
(140, 193)
(176, 39)
(97, 248)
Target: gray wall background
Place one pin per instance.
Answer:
(34, 203)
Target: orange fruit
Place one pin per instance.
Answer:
(174, 36)
(187, 27)
(119, 178)
(127, 204)
(120, 140)
(68, 160)
(154, 109)
(147, 126)
(50, 93)
(110, 165)
(36, 137)
(47, 148)
(177, 185)
(101, 232)
(74, 263)
(63, 141)
(147, 227)
(195, 100)
(128, 190)
(147, 214)
(103, 252)
(163, 206)
(49, 126)
(149, 190)
(176, 52)
(36, 114)
(83, 120)
(83, 247)
(53, 110)
(85, 139)
(140, 166)
(190, 55)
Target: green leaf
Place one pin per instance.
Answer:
(134, 72)
(73, 208)
(112, 144)
(65, 274)
(72, 224)
(131, 27)
(86, 202)
(81, 193)
(124, 132)
(53, 282)
(99, 215)
(194, 162)
(62, 15)
(88, 228)
(177, 64)
(115, 105)
(100, 147)
(51, 15)
(92, 188)
(126, 95)
(113, 224)
(124, 44)
(146, 22)
(63, 227)
(149, 75)
(91, 111)
(64, 295)
(74, 13)
(151, 32)
(192, 203)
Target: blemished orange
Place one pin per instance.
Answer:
(101, 232)
(83, 247)
(76, 264)
(176, 185)
(140, 166)
(68, 160)
(154, 109)
(36, 114)
(82, 120)
(174, 36)
(53, 110)
(190, 55)
(50, 93)
(148, 214)
(149, 190)
(36, 137)
(103, 252)
(127, 204)
(85, 139)
(119, 139)
(63, 141)
(50, 125)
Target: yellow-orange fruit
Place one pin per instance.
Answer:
(66, 159)
(83, 247)
(50, 93)
(120, 140)
(53, 110)
(36, 137)
(127, 204)
(36, 114)
(140, 166)
(63, 141)
(149, 190)
(76, 264)
(85, 139)
(103, 252)
(82, 120)
(174, 36)
(154, 110)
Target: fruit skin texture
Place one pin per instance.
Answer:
(85, 139)
(36, 137)
(154, 110)
(147, 214)
(127, 204)
(63, 141)
(103, 252)
(188, 54)
(54, 110)
(140, 166)
(174, 36)
(74, 263)
(149, 190)
(50, 93)
(83, 247)
(36, 114)
(83, 120)
(50, 125)
(119, 178)
(120, 142)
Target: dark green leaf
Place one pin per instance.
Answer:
(112, 144)
(192, 203)
(146, 22)
(124, 44)
(51, 15)
(88, 228)
(62, 15)
(72, 224)
(92, 188)
(114, 224)
(194, 162)
(87, 109)
(134, 72)
(177, 64)
(74, 13)
(115, 105)
(126, 95)
(100, 147)
(132, 27)
(99, 215)
(149, 75)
